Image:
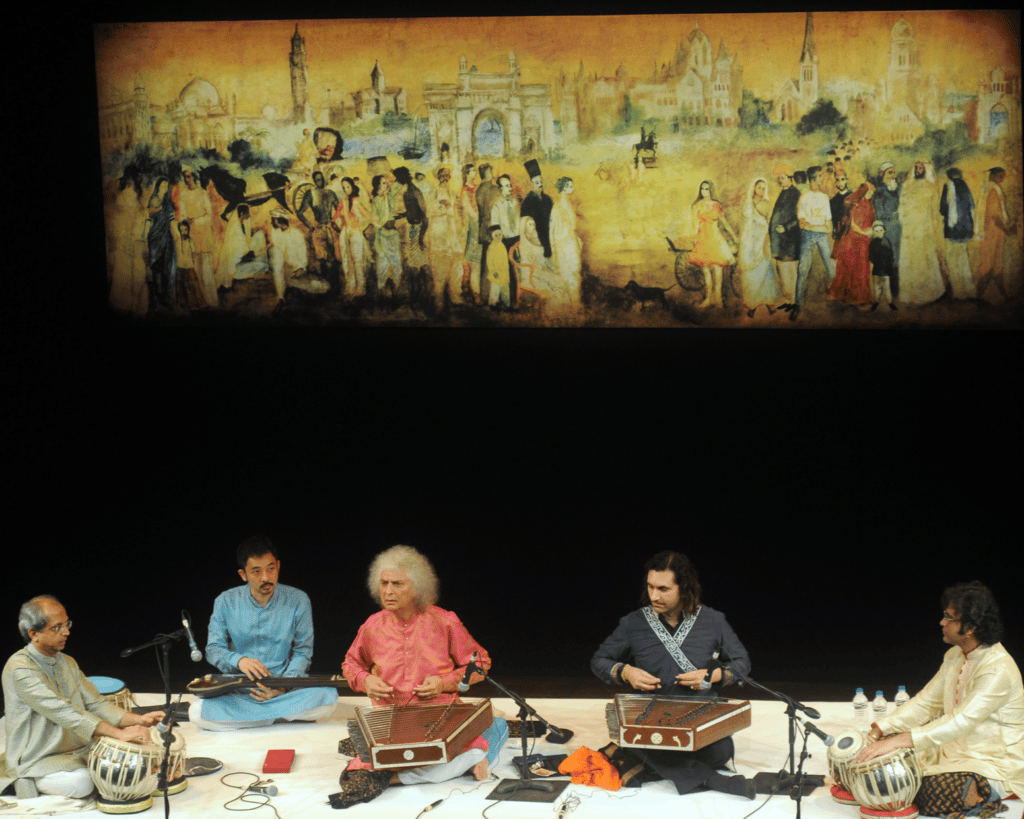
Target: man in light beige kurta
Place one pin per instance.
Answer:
(978, 703)
(53, 712)
(970, 716)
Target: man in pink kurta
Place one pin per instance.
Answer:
(412, 652)
(404, 653)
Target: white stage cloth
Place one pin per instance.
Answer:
(303, 792)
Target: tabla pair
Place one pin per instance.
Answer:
(126, 773)
(883, 787)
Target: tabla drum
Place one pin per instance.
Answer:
(176, 781)
(114, 690)
(886, 785)
(125, 774)
(840, 754)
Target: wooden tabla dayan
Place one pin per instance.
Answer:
(176, 781)
(840, 754)
(114, 691)
(127, 773)
(886, 785)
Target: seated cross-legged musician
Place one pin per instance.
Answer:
(966, 725)
(261, 629)
(410, 652)
(665, 647)
(54, 712)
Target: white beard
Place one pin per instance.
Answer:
(890, 184)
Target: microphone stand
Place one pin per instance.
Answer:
(794, 781)
(163, 643)
(508, 788)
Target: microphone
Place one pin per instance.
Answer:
(464, 685)
(263, 788)
(814, 729)
(197, 655)
(713, 663)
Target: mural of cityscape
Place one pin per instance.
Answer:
(787, 170)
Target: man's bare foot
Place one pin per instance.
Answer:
(480, 770)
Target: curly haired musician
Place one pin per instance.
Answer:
(412, 651)
(967, 724)
(666, 645)
(54, 712)
(261, 629)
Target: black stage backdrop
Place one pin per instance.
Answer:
(828, 485)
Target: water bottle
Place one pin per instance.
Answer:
(901, 696)
(860, 710)
(879, 706)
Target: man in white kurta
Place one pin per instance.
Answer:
(53, 712)
(970, 716)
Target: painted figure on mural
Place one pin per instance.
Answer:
(887, 211)
(160, 240)
(193, 204)
(487, 193)
(129, 290)
(469, 224)
(852, 283)
(711, 251)
(322, 203)
(505, 214)
(956, 206)
(446, 240)
(188, 292)
(921, 239)
(565, 241)
(814, 214)
(287, 254)
(538, 205)
(784, 231)
(386, 240)
(757, 275)
(351, 220)
(995, 227)
(882, 261)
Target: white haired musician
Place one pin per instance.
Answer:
(54, 712)
(667, 646)
(409, 652)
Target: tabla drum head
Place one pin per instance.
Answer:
(847, 745)
(107, 685)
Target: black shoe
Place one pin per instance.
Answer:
(892, 305)
(874, 306)
(794, 312)
(751, 311)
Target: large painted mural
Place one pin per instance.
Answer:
(811, 169)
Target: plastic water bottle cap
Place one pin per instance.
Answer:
(903, 688)
(878, 693)
(860, 690)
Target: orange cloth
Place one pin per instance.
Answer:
(588, 767)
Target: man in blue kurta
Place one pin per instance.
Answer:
(262, 629)
(666, 646)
